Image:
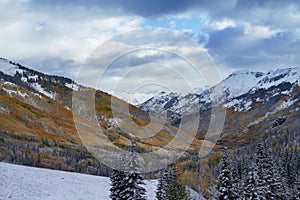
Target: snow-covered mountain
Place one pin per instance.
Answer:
(240, 91)
(134, 98)
(30, 79)
(242, 82)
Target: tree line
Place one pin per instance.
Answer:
(267, 174)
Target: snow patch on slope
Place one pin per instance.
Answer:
(287, 104)
(72, 86)
(6, 86)
(28, 183)
(239, 105)
(39, 88)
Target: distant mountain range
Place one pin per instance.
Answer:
(251, 99)
(235, 87)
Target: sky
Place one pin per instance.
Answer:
(59, 37)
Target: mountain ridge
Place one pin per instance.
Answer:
(235, 85)
(37, 111)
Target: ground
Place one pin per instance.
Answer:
(28, 183)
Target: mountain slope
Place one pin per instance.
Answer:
(234, 86)
(22, 183)
(254, 101)
(38, 126)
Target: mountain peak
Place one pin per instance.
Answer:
(20, 75)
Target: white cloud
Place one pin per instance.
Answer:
(31, 34)
(223, 24)
(259, 31)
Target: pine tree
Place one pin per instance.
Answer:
(279, 187)
(133, 182)
(296, 189)
(224, 182)
(116, 185)
(250, 186)
(266, 183)
(161, 193)
(175, 190)
(235, 182)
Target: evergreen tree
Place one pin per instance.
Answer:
(116, 185)
(250, 186)
(296, 189)
(161, 193)
(133, 182)
(279, 187)
(175, 190)
(266, 186)
(235, 181)
(224, 182)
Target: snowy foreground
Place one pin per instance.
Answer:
(28, 183)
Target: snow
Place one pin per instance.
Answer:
(195, 195)
(38, 87)
(237, 84)
(287, 104)
(9, 69)
(28, 183)
(156, 104)
(72, 86)
(239, 105)
(134, 98)
(13, 92)
(241, 82)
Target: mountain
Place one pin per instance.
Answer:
(37, 126)
(41, 121)
(134, 98)
(250, 98)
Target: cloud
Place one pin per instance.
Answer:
(223, 24)
(160, 57)
(57, 36)
(37, 37)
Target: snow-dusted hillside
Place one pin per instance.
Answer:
(20, 75)
(28, 183)
(241, 82)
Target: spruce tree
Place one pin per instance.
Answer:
(250, 186)
(279, 187)
(224, 182)
(162, 186)
(133, 182)
(266, 186)
(116, 185)
(296, 189)
(175, 190)
(235, 181)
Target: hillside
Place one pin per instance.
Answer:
(38, 127)
(43, 125)
(28, 183)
